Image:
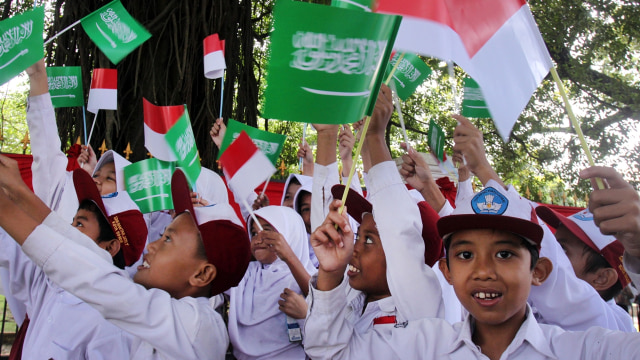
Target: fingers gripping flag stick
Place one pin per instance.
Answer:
(103, 93)
(245, 167)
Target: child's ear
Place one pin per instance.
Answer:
(604, 279)
(112, 246)
(541, 271)
(442, 264)
(204, 275)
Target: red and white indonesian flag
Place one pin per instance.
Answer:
(104, 90)
(496, 42)
(157, 122)
(245, 166)
(214, 63)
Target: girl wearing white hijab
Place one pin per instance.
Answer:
(257, 326)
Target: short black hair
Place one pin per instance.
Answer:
(533, 249)
(595, 262)
(106, 232)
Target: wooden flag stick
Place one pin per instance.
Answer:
(264, 189)
(253, 216)
(92, 126)
(575, 122)
(454, 89)
(304, 137)
(363, 133)
(84, 122)
(393, 71)
(221, 92)
(396, 101)
(62, 32)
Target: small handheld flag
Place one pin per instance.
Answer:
(271, 144)
(65, 86)
(214, 62)
(182, 143)
(157, 122)
(104, 90)
(245, 166)
(410, 73)
(473, 104)
(114, 31)
(21, 43)
(149, 184)
(436, 140)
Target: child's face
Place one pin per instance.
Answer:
(105, 178)
(490, 273)
(575, 250)
(172, 259)
(368, 266)
(259, 249)
(87, 223)
(290, 194)
(305, 210)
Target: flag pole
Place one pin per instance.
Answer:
(264, 189)
(575, 122)
(253, 216)
(84, 122)
(221, 92)
(92, 126)
(454, 90)
(62, 32)
(304, 136)
(363, 133)
(396, 101)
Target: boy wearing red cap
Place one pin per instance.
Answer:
(203, 252)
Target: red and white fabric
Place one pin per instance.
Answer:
(104, 90)
(157, 122)
(214, 63)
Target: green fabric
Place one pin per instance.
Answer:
(182, 143)
(326, 63)
(410, 74)
(269, 143)
(436, 140)
(21, 43)
(114, 31)
(473, 104)
(65, 86)
(362, 5)
(149, 184)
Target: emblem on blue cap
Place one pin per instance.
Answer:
(583, 215)
(489, 201)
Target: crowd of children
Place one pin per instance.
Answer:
(398, 274)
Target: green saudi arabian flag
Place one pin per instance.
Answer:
(148, 183)
(21, 43)
(410, 73)
(326, 63)
(363, 5)
(114, 31)
(473, 104)
(65, 86)
(182, 143)
(436, 140)
(269, 143)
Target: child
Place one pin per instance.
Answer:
(203, 252)
(595, 258)
(257, 326)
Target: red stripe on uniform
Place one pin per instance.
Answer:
(391, 319)
(237, 154)
(104, 79)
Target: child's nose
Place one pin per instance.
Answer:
(483, 268)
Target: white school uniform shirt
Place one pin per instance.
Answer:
(162, 327)
(338, 334)
(61, 325)
(632, 266)
(415, 290)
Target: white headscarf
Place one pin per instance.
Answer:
(302, 179)
(256, 326)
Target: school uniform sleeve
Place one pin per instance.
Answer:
(326, 331)
(465, 189)
(324, 177)
(569, 302)
(595, 343)
(49, 162)
(413, 285)
(446, 210)
(355, 183)
(632, 265)
(188, 328)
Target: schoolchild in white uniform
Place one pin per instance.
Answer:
(257, 327)
(168, 309)
(389, 285)
(61, 325)
(564, 300)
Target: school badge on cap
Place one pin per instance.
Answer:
(489, 201)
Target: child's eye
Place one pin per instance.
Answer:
(465, 255)
(167, 239)
(368, 240)
(504, 254)
(253, 233)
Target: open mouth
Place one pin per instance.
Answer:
(352, 270)
(145, 265)
(487, 297)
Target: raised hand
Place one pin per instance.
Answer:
(278, 245)
(414, 169)
(293, 304)
(217, 132)
(305, 152)
(87, 159)
(616, 210)
(260, 202)
(469, 143)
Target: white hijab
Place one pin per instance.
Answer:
(256, 326)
